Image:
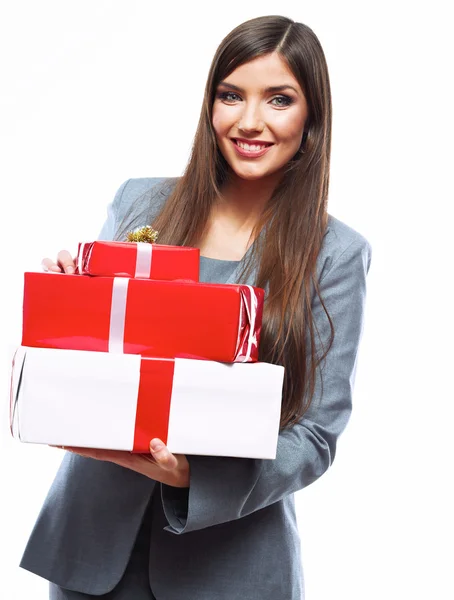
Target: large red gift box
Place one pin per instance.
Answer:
(138, 259)
(165, 319)
(122, 402)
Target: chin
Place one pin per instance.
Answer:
(255, 175)
(262, 172)
(248, 173)
(252, 176)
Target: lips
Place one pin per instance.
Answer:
(251, 145)
(251, 148)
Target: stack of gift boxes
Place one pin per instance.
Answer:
(134, 347)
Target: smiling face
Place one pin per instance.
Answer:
(259, 115)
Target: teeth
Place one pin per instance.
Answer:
(250, 147)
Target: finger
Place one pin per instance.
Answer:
(164, 458)
(48, 264)
(115, 456)
(66, 262)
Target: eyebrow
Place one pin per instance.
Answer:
(274, 88)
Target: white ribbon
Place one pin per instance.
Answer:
(118, 314)
(143, 260)
(80, 257)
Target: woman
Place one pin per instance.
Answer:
(254, 200)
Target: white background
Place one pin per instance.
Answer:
(94, 92)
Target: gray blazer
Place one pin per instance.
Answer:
(234, 536)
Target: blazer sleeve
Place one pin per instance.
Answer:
(223, 489)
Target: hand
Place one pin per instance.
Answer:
(160, 465)
(65, 263)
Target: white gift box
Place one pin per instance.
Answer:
(122, 401)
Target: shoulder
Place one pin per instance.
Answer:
(137, 202)
(141, 193)
(341, 240)
(339, 235)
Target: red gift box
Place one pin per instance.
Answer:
(138, 259)
(121, 402)
(165, 319)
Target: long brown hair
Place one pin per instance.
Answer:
(289, 235)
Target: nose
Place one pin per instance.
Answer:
(251, 119)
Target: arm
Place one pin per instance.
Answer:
(224, 489)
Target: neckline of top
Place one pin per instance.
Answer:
(220, 260)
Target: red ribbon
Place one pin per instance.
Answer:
(153, 402)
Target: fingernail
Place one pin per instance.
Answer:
(156, 446)
(69, 270)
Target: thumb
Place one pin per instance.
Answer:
(164, 458)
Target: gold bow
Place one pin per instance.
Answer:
(142, 234)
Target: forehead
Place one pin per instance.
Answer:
(264, 71)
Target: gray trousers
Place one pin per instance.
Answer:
(135, 583)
